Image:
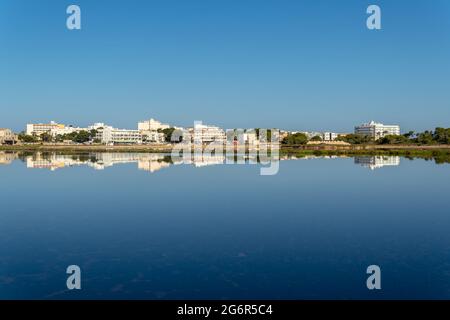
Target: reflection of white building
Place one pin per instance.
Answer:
(376, 162)
(97, 161)
(203, 160)
(152, 162)
(52, 161)
(7, 157)
(377, 130)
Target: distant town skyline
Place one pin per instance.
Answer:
(293, 65)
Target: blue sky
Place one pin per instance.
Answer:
(299, 65)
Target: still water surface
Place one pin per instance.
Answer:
(141, 227)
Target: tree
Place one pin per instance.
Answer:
(441, 135)
(295, 139)
(355, 139)
(316, 138)
(46, 137)
(409, 135)
(82, 137)
(27, 138)
(393, 139)
(168, 133)
(425, 138)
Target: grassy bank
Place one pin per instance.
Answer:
(87, 148)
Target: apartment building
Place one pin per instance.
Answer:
(37, 129)
(109, 135)
(329, 136)
(153, 137)
(377, 130)
(207, 134)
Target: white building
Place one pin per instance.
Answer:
(39, 128)
(7, 137)
(96, 126)
(110, 135)
(329, 136)
(66, 130)
(377, 130)
(208, 134)
(152, 125)
(153, 136)
(52, 128)
(149, 131)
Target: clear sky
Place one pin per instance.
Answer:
(299, 65)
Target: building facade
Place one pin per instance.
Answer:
(208, 134)
(7, 137)
(36, 129)
(377, 130)
(329, 136)
(153, 137)
(110, 135)
(152, 125)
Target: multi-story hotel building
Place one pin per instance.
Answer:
(110, 135)
(208, 134)
(37, 129)
(377, 130)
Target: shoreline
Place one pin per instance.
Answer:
(308, 149)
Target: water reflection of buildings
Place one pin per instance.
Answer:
(375, 162)
(151, 162)
(7, 157)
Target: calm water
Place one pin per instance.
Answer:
(142, 227)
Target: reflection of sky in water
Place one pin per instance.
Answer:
(225, 231)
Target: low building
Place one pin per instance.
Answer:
(109, 135)
(377, 130)
(329, 136)
(7, 136)
(153, 136)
